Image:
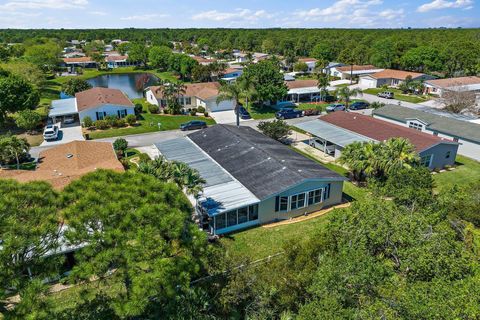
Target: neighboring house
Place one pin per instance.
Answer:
(203, 61)
(256, 57)
(250, 178)
(302, 90)
(390, 77)
(196, 94)
(115, 61)
(343, 72)
(96, 103)
(466, 133)
(336, 130)
(65, 163)
(310, 62)
(74, 54)
(439, 86)
(230, 74)
(80, 62)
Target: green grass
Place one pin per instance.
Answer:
(466, 171)
(341, 85)
(319, 106)
(398, 95)
(261, 112)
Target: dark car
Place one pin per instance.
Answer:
(243, 113)
(359, 105)
(329, 98)
(192, 125)
(288, 113)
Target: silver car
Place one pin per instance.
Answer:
(50, 132)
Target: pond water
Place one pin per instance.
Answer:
(132, 84)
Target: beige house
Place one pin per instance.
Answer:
(390, 77)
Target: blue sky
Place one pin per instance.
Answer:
(245, 13)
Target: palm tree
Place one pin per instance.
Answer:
(322, 83)
(230, 91)
(398, 153)
(172, 93)
(247, 89)
(345, 93)
(13, 147)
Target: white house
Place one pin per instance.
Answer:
(196, 94)
(343, 72)
(310, 62)
(96, 103)
(390, 77)
(439, 86)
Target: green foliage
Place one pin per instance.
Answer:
(88, 122)
(102, 124)
(463, 202)
(138, 109)
(16, 94)
(131, 119)
(345, 94)
(193, 112)
(119, 123)
(75, 85)
(159, 57)
(28, 119)
(29, 230)
(120, 144)
(138, 52)
(141, 227)
(29, 71)
(13, 149)
(201, 109)
(300, 67)
(45, 55)
(153, 108)
(267, 80)
(275, 129)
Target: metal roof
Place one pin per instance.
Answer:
(441, 121)
(332, 133)
(305, 90)
(222, 192)
(63, 107)
(264, 166)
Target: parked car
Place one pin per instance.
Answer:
(288, 113)
(336, 107)
(68, 120)
(329, 98)
(192, 125)
(243, 113)
(50, 132)
(359, 105)
(311, 112)
(385, 94)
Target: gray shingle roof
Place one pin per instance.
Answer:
(453, 127)
(265, 166)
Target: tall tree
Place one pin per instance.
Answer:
(138, 52)
(16, 94)
(346, 93)
(13, 149)
(45, 56)
(159, 56)
(267, 80)
(75, 85)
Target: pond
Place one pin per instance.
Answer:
(132, 84)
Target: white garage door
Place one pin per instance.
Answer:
(368, 83)
(222, 106)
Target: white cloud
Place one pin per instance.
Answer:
(143, 17)
(15, 5)
(236, 15)
(98, 13)
(443, 4)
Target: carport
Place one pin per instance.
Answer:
(63, 108)
(325, 135)
(303, 94)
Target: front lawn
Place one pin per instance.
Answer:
(261, 112)
(318, 106)
(398, 95)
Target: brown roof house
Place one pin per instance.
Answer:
(390, 77)
(196, 94)
(333, 132)
(439, 86)
(64, 163)
(344, 72)
(96, 103)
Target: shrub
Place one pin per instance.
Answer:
(193, 112)
(119, 123)
(120, 145)
(201, 109)
(87, 122)
(28, 119)
(153, 108)
(131, 119)
(138, 108)
(205, 114)
(276, 129)
(110, 120)
(101, 124)
(143, 157)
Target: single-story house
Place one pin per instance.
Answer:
(230, 74)
(82, 62)
(302, 90)
(67, 162)
(256, 57)
(310, 62)
(390, 77)
(333, 132)
(466, 133)
(202, 60)
(96, 103)
(196, 94)
(343, 72)
(115, 61)
(439, 86)
(250, 178)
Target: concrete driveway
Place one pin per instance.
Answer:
(65, 135)
(225, 117)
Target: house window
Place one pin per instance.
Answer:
(243, 215)
(447, 155)
(283, 203)
(220, 222)
(122, 113)
(232, 218)
(253, 212)
(100, 115)
(315, 196)
(416, 126)
(426, 160)
(188, 101)
(297, 201)
(327, 192)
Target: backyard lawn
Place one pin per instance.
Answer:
(399, 95)
(466, 171)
